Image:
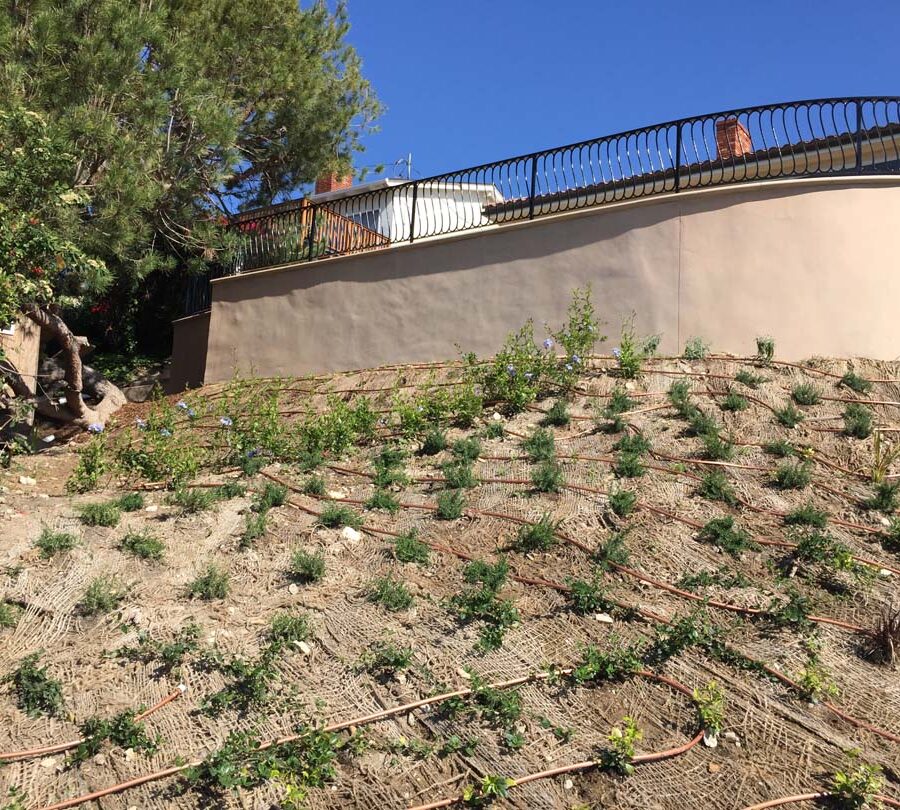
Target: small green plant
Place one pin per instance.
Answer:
(723, 534)
(780, 448)
(122, 731)
(193, 499)
(466, 450)
(455, 744)
(722, 577)
(815, 682)
(621, 750)
(494, 430)
(540, 536)
(765, 349)
(749, 379)
(793, 613)
(459, 474)
(814, 545)
(548, 476)
(710, 702)
(587, 597)
(792, 475)
(92, 465)
(490, 788)
(618, 404)
(143, 545)
(314, 485)
(806, 394)
(855, 383)
(288, 628)
(734, 402)
(254, 528)
(883, 456)
(169, 654)
(409, 549)
(628, 465)
(858, 786)
(858, 422)
(716, 447)
(492, 576)
(540, 445)
(130, 502)
(788, 416)
(622, 502)
(716, 486)
(272, 496)
(885, 497)
(384, 658)
(213, 583)
(36, 692)
(391, 594)
(9, 615)
(482, 603)
(450, 504)
(636, 443)
(384, 500)
(103, 594)
(334, 516)
(17, 799)
(632, 352)
(806, 515)
(612, 551)
(433, 442)
(558, 415)
(695, 349)
(100, 514)
(52, 543)
(306, 567)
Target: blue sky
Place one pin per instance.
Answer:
(471, 81)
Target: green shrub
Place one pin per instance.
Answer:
(382, 499)
(52, 543)
(433, 442)
(858, 421)
(490, 575)
(121, 731)
(717, 448)
(621, 750)
(710, 703)
(587, 597)
(723, 534)
(540, 536)
(806, 515)
(482, 604)
(622, 502)
(548, 476)
(213, 583)
(695, 349)
(817, 546)
(314, 485)
(409, 549)
(494, 430)
(633, 351)
(306, 567)
(92, 465)
(615, 664)
(334, 516)
(628, 465)
(467, 450)
(788, 416)
(679, 396)
(749, 379)
(143, 544)
(612, 551)
(765, 349)
(716, 486)
(856, 383)
(701, 423)
(272, 496)
(857, 788)
(636, 443)
(885, 497)
(99, 514)
(384, 658)
(540, 445)
(558, 414)
(450, 504)
(36, 692)
(459, 474)
(9, 615)
(130, 502)
(619, 403)
(287, 628)
(780, 448)
(793, 475)
(733, 401)
(806, 394)
(102, 595)
(389, 593)
(254, 528)
(193, 500)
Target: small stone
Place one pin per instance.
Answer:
(48, 763)
(100, 759)
(568, 784)
(410, 719)
(496, 417)
(337, 494)
(885, 521)
(152, 508)
(351, 535)
(304, 648)
(463, 674)
(43, 495)
(604, 617)
(231, 611)
(129, 754)
(48, 438)
(731, 736)
(26, 481)
(630, 386)
(293, 588)
(714, 767)
(401, 677)
(709, 739)
(884, 573)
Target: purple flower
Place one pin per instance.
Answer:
(576, 359)
(225, 421)
(548, 344)
(141, 424)
(617, 353)
(253, 453)
(568, 366)
(191, 413)
(511, 370)
(95, 427)
(165, 432)
(181, 404)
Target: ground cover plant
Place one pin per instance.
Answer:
(546, 609)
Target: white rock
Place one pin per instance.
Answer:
(350, 534)
(885, 573)
(731, 736)
(337, 494)
(709, 739)
(48, 763)
(604, 617)
(568, 784)
(496, 417)
(304, 648)
(410, 720)
(129, 754)
(42, 495)
(463, 674)
(100, 759)
(885, 521)
(630, 386)
(152, 508)
(48, 438)
(293, 588)
(25, 481)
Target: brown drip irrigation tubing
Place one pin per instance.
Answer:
(46, 750)
(808, 797)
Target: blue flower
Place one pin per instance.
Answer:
(141, 424)
(165, 432)
(548, 344)
(511, 370)
(225, 421)
(617, 353)
(528, 375)
(181, 404)
(576, 359)
(253, 453)
(191, 413)
(95, 427)
(568, 366)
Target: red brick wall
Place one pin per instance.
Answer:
(331, 182)
(732, 139)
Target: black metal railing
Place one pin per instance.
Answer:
(825, 137)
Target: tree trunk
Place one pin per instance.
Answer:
(75, 410)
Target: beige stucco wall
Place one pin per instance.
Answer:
(23, 348)
(189, 345)
(813, 263)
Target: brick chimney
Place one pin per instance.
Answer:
(331, 182)
(732, 139)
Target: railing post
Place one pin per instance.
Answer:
(678, 158)
(412, 215)
(858, 138)
(531, 187)
(312, 230)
